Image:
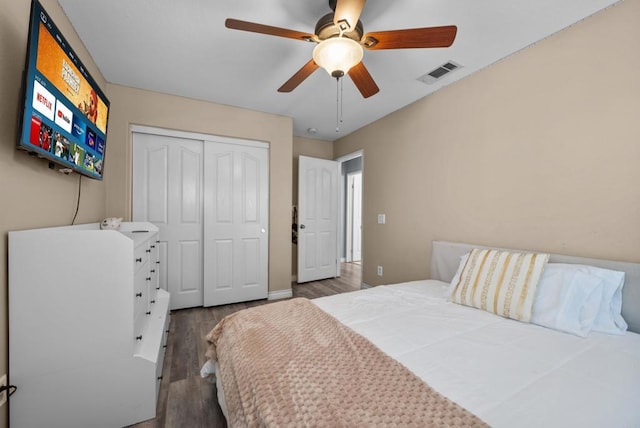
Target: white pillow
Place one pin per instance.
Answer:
(568, 299)
(456, 277)
(609, 319)
(583, 299)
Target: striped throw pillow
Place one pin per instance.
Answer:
(500, 282)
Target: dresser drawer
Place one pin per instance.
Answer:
(159, 366)
(154, 283)
(139, 327)
(161, 353)
(140, 304)
(141, 255)
(140, 292)
(154, 248)
(142, 279)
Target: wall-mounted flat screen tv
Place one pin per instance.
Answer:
(64, 113)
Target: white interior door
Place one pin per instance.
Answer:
(318, 219)
(354, 217)
(236, 223)
(167, 191)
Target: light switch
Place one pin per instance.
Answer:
(382, 218)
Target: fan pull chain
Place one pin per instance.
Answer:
(339, 97)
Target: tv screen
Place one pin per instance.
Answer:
(64, 112)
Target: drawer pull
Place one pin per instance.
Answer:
(153, 246)
(153, 271)
(148, 278)
(167, 331)
(148, 312)
(139, 260)
(138, 294)
(164, 346)
(158, 262)
(152, 302)
(157, 288)
(158, 241)
(139, 337)
(159, 377)
(147, 250)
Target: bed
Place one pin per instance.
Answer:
(474, 367)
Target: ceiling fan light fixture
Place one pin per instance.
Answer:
(337, 55)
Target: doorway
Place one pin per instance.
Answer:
(353, 218)
(351, 199)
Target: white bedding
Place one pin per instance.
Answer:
(506, 372)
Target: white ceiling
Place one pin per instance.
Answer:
(183, 48)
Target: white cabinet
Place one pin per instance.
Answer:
(87, 326)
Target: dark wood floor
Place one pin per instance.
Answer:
(187, 400)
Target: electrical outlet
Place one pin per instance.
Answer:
(379, 270)
(3, 394)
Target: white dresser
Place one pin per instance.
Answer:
(87, 326)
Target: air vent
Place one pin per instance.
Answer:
(437, 73)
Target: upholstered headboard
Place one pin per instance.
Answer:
(445, 260)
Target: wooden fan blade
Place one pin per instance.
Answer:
(363, 80)
(236, 24)
(348, 13)
(299, 77)
(431, 37)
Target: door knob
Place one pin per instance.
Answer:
(302, 226)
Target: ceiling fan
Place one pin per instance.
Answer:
(340, 37)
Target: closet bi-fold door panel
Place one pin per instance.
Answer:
(236, 224)
(167, 191)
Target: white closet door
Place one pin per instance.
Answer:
(318, 219)
(236, 224)
(167, 191)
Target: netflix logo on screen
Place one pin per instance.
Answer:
(43, 100)
(63, 116)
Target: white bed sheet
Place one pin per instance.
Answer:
(506, 372)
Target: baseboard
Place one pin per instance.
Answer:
(280, 294)
(364, 286)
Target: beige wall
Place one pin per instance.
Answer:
(31, 194)
(538, 151)
(137, 107)
(305, 147)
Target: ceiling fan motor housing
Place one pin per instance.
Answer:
(326, 29)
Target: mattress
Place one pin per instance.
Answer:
(506, 372)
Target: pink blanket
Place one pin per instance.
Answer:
(291, 364)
